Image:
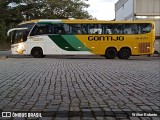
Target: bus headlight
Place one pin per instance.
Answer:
(20, 49)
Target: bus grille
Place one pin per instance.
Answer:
(144, 47)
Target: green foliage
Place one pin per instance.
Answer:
(2, 31)
(16, 11)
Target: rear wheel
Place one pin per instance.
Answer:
(124, 54)
(37, 53)
(111, 53)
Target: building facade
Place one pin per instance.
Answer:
(139, 10)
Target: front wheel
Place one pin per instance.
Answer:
(124, 54)
(37, 53)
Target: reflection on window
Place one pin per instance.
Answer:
(41, 29)
(78, 29)
(127, 28)
(95, 28)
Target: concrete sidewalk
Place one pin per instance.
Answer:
(5, 54)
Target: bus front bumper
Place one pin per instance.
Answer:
(19, 48)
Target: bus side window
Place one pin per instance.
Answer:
(66, 28)
(61, 30)
(42, 29)
(108, 31)
(115, 31)
(146, 28)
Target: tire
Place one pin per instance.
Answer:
(37, 53)
(155, 52)
(124, 54)
(111, 53)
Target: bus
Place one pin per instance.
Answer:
(111, 39)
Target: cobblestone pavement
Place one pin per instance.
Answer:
(71, 88)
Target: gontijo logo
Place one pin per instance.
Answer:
(105, 38)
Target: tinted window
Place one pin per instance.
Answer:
(41, 29)
(78, 28)
(95, 28)
(132, 28)
(19, 36)
(126, 28)
(29, 26)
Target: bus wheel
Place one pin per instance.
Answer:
(37, 52)
(111, 53)
(124, 53)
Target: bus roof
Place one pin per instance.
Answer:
(82, 21)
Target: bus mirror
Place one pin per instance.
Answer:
(8, 33)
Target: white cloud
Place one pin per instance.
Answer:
(102, 9)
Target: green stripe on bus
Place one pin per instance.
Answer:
(62, 43)
(75, 42)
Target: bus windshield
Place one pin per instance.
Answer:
(28, 26)
(20, 33)
(19, 36)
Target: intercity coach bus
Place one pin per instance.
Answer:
(111, 39)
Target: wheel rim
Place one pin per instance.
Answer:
(37, 53)
(111, 54)
(124, 54)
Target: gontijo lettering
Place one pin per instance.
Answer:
(105, 38)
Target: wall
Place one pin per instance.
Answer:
(148, 7)
(124, 9)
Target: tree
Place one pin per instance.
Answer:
(16, 11)
(54, 9)
(9, 17)
(19, 10)
(66, 9)
(2, 31)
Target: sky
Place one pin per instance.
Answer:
(102, 9)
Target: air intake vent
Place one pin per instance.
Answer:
(144, 47)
